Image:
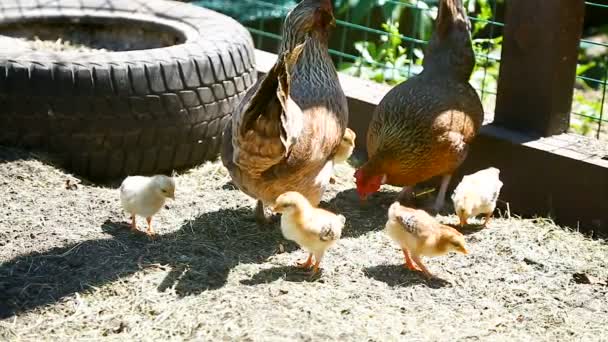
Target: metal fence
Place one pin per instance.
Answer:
(589, 107)
(385, 43)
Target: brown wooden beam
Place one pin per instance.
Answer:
(538, 67)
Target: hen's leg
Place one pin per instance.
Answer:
(305, 264)
(262, 216)
(406, 195)
(133, 223)
(408, 261)
(422, 267)
(440, 200)
(150, 231)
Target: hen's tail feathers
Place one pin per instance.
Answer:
(451, 13)
(291, 116)
(269, 121)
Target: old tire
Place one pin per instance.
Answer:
(111, 114)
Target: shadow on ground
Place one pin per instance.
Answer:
(287, 273)
(201, 254)
(397, 276)
(361, 218)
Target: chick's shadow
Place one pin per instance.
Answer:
(361, 218)
(397, 276)
(199, 256)
(287, 273)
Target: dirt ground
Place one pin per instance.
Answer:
(70, 269)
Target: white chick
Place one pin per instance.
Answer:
(313, 229)
(477, 194)
(345, 149)
(145, 196)
(419, 234)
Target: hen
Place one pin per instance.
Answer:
(287, 128)
(145, 196)
(423, 127)
(477, 194)
(313, 229)
(419, 234)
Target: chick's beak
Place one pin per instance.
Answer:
(463, 220)
(464, 251)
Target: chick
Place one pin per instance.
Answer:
(419, 234)
(345, 149)
(313, 229)
(144, 196)
(477, 194)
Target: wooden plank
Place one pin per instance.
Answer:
(538, 67)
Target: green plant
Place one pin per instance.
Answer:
(384, 62)
(389, 61)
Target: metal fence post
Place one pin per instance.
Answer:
(538, 67)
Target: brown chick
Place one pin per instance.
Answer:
(285, 131)
(423, 127)
(419, 234)
(313, 229)
(345, 149)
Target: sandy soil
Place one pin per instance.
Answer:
(70, 269)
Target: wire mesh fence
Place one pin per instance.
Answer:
(589, 108)
(384, 41)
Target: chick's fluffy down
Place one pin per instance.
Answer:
(314, 232)
(145, 196)
(477, 193)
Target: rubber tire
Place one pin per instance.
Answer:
(109, 115)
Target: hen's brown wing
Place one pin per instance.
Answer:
(268, 122)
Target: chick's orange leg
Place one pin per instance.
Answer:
(315, 268)
(305, 264)
(408, 261)
(422, 267)
(463, 221)
(488, 217)
(133, 223)
(150, 231)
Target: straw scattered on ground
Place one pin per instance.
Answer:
(70, 269)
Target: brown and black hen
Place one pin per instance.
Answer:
(287, 128)
(423, 127)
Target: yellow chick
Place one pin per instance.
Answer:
(145, 196)
(419, 234)
(345, 149)
(477, 194)
(313, 229)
